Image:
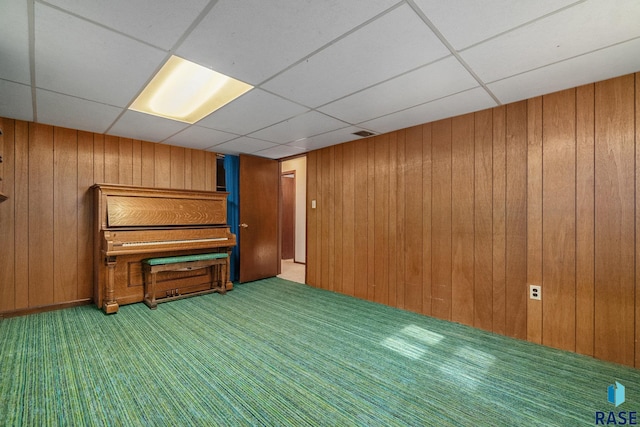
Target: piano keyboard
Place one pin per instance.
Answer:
(171, 242)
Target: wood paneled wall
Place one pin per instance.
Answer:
(454, 219)
(46, 227)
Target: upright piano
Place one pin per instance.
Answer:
(135, 223)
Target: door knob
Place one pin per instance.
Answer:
(243, 225)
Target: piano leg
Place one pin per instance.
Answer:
(219, 275)
(110, 304)
(227, 272)
(150, 288)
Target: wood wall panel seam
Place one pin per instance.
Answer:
(534, 216)
(427, 190)
(483, 220)
(21, 209)
(585, 232)
(559, 235)
(8, 240)
(413, 214)
(637, 215)
(499, 220)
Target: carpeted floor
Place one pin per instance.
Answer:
(278, 353)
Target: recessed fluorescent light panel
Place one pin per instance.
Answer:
(187, 92)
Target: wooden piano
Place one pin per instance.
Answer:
(136, 223)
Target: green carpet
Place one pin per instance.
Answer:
(277, 353)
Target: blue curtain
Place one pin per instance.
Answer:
(232, 178)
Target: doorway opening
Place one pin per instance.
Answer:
(293, 219)
(288, 236)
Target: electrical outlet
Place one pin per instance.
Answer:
(535, 292)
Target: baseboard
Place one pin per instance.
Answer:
(43, 308)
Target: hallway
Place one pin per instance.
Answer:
(292, 271)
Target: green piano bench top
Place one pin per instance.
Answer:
(184, 258)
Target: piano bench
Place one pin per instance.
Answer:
(151, 267)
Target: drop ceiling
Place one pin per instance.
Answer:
(322, 70)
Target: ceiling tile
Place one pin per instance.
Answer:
(255, 110)
(242, 145)
(279, 152)
(199, 137)
(434, 81)
(578, 30)
(157, 22)
(15, 101)
(145, 126)
(391, 45)
(74, 113)
(620, 59)
(330, 138)
(466, 22)
(454, 105)
(311, 123)
(254, 39)
(81, 59)
(14, 42)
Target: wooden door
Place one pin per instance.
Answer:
(259, 252)
(288, 183)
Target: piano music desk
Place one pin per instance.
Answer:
(217, 262)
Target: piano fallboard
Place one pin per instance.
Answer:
(121, 242)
